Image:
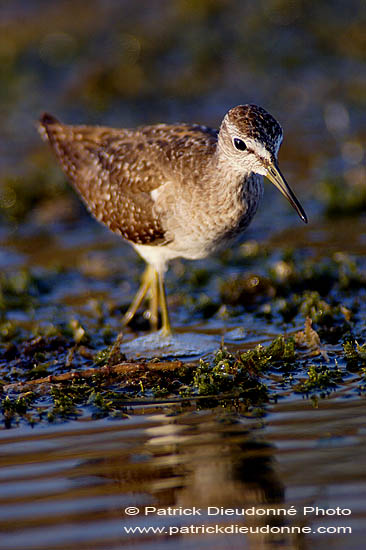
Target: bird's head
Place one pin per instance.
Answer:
(250, 139)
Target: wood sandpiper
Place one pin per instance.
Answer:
(172, 191)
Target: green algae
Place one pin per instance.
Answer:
(245, 290)
(284, 289)
(41, 350)
(342, 199)
(158, 69)
(355, 354)
(17, 408)
(321, 379)
(42, 186)
(19, 290)
(229, 376)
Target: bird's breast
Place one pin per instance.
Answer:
(201, 219)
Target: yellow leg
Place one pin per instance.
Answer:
(154, 300)
(166, 329)
(152, 282)
(140, 295)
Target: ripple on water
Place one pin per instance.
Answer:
(66, 486)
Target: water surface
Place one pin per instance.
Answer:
(68, 474)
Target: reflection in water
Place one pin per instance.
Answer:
(209, 464)
(66, 486)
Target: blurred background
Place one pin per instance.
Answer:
(124, 63)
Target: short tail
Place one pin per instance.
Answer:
(45, 121)
(68, 145)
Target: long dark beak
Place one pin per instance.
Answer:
(274, 175)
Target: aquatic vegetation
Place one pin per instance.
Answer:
(245, 290)
(13, 409)
(325, 315)
(19, 290)
(229, 376)
(66, 370)
(241, 374)
(43, 186)
(310, 340)
(321, 379)
(278, 288)
(341, 198)
(355, 354)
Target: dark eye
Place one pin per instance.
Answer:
(239, 144)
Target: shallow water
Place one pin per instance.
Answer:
(65, 483)
(68, 486)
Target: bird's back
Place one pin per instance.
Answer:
(115, 170)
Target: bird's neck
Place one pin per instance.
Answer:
(229, 175)
(237, 190)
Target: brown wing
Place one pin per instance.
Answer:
(115, 170)
(112, 178)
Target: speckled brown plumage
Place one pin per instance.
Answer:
(172, 190)
(115, 171)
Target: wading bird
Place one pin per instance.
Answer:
(181, 190)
